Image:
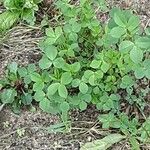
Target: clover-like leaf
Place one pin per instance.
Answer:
(8, 95)
(120, 20)
(45, 105)
(105, 66)
(95, 64)
(83, 87)
(117, 32)
(64, 107)
(136, 55)
(82, 105)
(66, 78)
(45, 63)
(62, 91)
(52, 88)
(39, 96)
(51, 52)
(35, 77)
(126, 46)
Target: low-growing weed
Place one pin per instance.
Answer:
(85, 62)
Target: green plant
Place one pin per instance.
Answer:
(86, 63)
(15, 87)
(15, 9)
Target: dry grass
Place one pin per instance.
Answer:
(20, 44)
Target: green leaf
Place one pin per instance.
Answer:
(8, 19)
(143, 42)
(83, 87)
(117, 32)
(85, 97)
(8, 95)
(92, 80)
(62, 91)
(31, 68)
(139, 73)
(26, 99)
(22, 72)
(147, 31)
(58, 31)
(105, 66)
(136, 55)
(64, 107)
(59, 62)
(95, 64)
(39, 96)
(74, 100)
(76, 82)
(38, 86)
(75, 67)
(50, 33)
(73, 36)
(146, 63)
(66, 78)
(103, 144)
(88, 74)
(56, 128)
(13, 67)
(45, 105)
(82, 105)
(45, 63)
(52, 88)
(82, 2)
(147, 73)
(133, 23)
(127, 81)
(35, 77)
(126, 46)
(51, 52)
(134, 143)
(76, 27)
(99, 74)
(120, 20)
(28, 16)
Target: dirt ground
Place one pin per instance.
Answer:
(23, 132)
